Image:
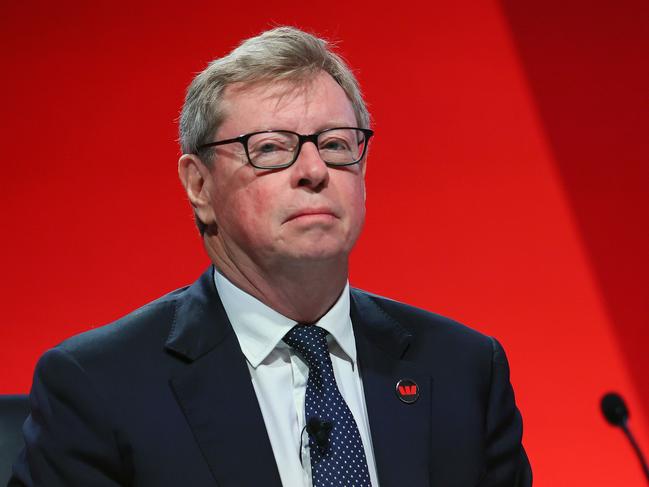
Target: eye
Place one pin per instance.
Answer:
(264, 144)
(335, 144)
(268, 147)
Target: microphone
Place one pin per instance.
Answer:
(319, 430)
(614, 409)
(617, 414)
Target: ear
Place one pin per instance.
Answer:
(196, 178)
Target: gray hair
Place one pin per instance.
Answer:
(280, 54)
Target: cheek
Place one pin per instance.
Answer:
(357, 200)
(249, 213)
(238, 193)
(258, 202)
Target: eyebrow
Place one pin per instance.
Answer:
(320, 128)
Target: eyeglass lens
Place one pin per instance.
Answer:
(277, 148)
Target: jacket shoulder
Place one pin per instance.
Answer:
(418, 321)
(147, 326)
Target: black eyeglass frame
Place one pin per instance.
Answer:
(243, 140)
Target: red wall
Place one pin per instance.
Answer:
(506, 184)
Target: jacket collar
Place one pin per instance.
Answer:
(381, 329)
(200, 322)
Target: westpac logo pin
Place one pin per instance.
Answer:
(407, 391)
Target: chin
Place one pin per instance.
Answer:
(316, 247)
(319, 251)
(319, 255)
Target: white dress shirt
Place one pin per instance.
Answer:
(279, 376)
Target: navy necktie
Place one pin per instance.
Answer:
(338, 459)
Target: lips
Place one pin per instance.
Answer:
(311, 212)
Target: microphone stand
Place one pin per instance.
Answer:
(637, 450)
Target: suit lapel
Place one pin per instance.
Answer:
(401, 433)
(215, 391)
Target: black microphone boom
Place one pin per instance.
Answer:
(617, 414)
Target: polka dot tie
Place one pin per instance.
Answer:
(340, 461)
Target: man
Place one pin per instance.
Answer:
(269, 370)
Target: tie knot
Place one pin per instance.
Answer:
(310, 342)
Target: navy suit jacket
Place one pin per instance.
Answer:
(163, 397)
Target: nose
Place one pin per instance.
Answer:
(309, 170)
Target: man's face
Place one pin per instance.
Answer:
(308, 211)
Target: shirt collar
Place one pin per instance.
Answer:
(260, 328)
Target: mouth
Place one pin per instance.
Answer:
(312, 214)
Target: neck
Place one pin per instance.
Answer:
(300, 290)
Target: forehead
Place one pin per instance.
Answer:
(303, 105)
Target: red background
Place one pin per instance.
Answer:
(507, 184)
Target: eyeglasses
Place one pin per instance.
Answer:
(277, 149)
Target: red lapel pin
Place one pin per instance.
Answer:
(407, 391)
